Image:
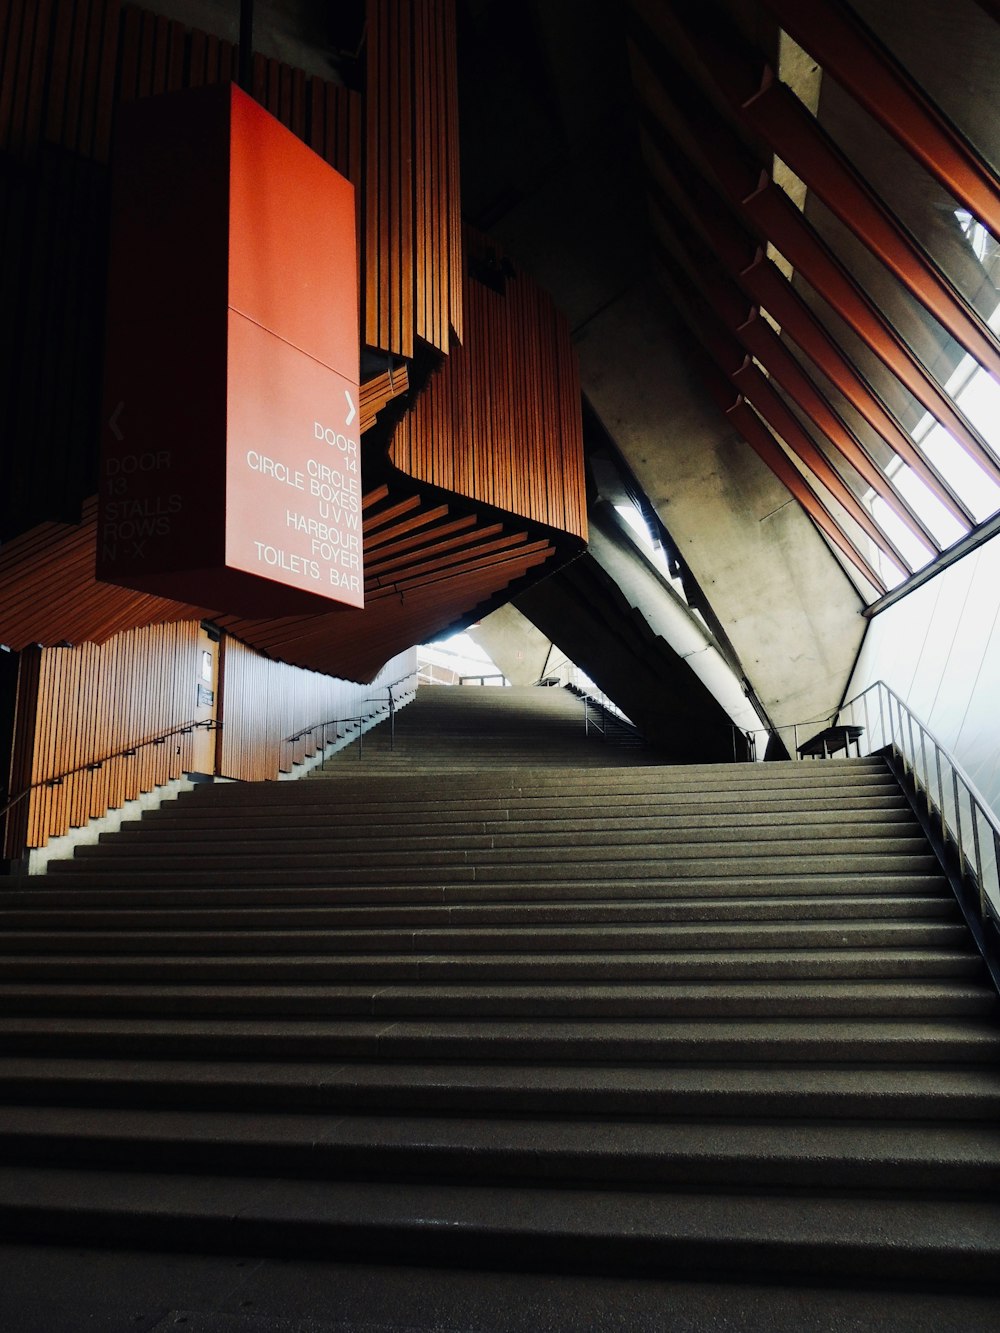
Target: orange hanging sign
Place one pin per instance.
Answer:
(230, 467)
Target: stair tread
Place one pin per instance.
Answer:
(782, 998)
(607, 936)
(81, 889)
(789, 1221)
(817, 822)
(166, 916)
(956, 1082)
(679, 1018)
(900, 1143)
(982, 1035)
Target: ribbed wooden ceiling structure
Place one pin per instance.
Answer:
(813, 252)
(470, 407)
(821, 361)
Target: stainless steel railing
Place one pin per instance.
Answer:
(341, 725)
(969, 830)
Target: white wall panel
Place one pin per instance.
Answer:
(939, 649)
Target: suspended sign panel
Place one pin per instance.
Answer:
(230, 469)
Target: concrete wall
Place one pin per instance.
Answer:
(939, 649)
(790, 611)
(519, 649)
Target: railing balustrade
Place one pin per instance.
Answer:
(340, 724)
(967, 826)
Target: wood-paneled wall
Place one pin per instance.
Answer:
(85, 717)
(413, 227)
(79, 708)
(418, 554)
(266, 702)
(500, 420)
(501, 429)
(63, 66)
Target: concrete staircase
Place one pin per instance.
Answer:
(713, 1034)
(473, 727)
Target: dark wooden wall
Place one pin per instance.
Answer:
(484, 489)
(85, 717)
(82, 715)
(413, 226)
(500, 420)
(66, 65)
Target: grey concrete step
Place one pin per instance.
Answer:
(363, 799)
(118, 915)
(830, 1041)
(147, 891)
(426, 840)
(914, 997)
(604, 939)
(644, 1232)
(375, 809)
(517, 969)
(816, 823)
(497, 868)
(911, 1157)
(519, 785)
(884, 1092)
(62, 1289)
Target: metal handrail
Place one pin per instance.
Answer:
(599, 700)
(607, 715)
(403, 680)
(588, 722)
(126, 752)
(359, 719)
(330, 722)
(953, 805)
(748, 739)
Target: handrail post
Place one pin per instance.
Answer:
(941, 818)
(914, 770)
(881, 714)
(980, 883)
(927, 771)
(902, 732)
(958, 824)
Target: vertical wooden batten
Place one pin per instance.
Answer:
(84, 723)
(413, 275)
(499, 421)
(265, 703)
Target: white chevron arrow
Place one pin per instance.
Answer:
(116, 430)
(353, 411)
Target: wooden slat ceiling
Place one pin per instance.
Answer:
(477, 505)
(714, 118)
(413, 230)
(500, 420)
(420, 561)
